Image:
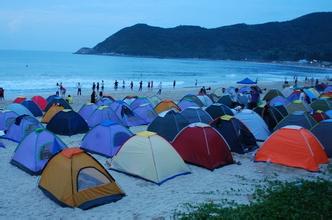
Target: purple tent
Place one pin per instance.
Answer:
(146, 112)
(126, 115)
(328, 89)
(279, 100)
(22, 126)
(106, 138)
(183, 104)
(7, 118)
(139, 101)
(32, 154)
(102, 113)
(294, 96)
(86, 110)
(2, 145)
(104, 101)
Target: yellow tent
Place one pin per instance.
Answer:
(51, 112)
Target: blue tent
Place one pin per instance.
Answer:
(33, 107)
(322, 132)
(57, 101)
(19, 109)
(246, 81)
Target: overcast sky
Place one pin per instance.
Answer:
(67, 25)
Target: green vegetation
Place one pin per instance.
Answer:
(295, 200)
(307, 37)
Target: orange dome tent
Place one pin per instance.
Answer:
(51, 112)
(293, 146)
(166, 105)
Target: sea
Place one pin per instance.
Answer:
(37, 72)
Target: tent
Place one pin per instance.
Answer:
(155, 100)
(7, 118)
(217, 110)
(254, 123)
(246, 81)
(287, 91)
(40, 101)
(19, 99)
(102, 113)
(67, 122)
(169, 125)
(202, 145)
(149, 156)
(165, 106)
(51, 112)
(33, 107)
(294, 96)
(328, 89)
(226, 100)
(298, 105)
(322, 105)
(298, 118)
(19, 109)
(329, 113)
(51, 97)
(245, 90)
(74, 178)
(35, 150)
(213, 97)
(311, 93)
(193, 98)
(57, 101)
(319, 116)
(126, 115)
(106, 138)
(22, 126)
(146, 112)
(279, 100)
(140, 101)
(205, 100)
(183, 104)
(293, 146)
(274, 115)
(237, 135)
(87, 109)
(196, 115)
(271, 94)
(129, 99)
(105, 101)
(322, 131)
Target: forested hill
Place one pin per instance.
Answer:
(307, 37)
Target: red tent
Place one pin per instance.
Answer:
(202, 145)
(40, 101)
(19, 99)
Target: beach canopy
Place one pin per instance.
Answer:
(57, 101)
(322, 105)
(7, 118)
(146, 112)
(87, 109)
(33, 107)
(202, 145)
(40, 101)
(254, 123)
(51, 112)
(194, 115)
(22, 126)
(169, 125)
(217, 110)
(271, 94)
(246, 81)
(126, 115)
(149, 156)
(67, 122)
(19, 99)
(299, 118)
(35, 150)
(183, 104)
(106, 138)
(293, 146)
(18, 109)
(102, 113)
(237, 135)
(322, 131)
(298, 105)
(73, 178)
(166, 105)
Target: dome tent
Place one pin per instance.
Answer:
(166, 105)
(67, 122)
(217, 110)
(140, 101)
(293, 146)
(87, 109)
(298, 118)
(33, 107)
(19, 109)
(322, 131)
(150, 157)
(126, 115)
(106, 138)
(7, 118)
(202, 145)
(51, 112)
(57, 101)
(196, 115)
(146, 112)
(183, 104)
(35, 150)
(40, 101)
(193, 98)
(73, 178)
(102, 113)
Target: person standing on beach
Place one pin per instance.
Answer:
(93, 97)
(131, 85)
(79, 89)
(159, 89)
(102, 85)
(140, 85)
(196, 83)
(2, 93)
(123, 84)
(93, 86)
(151, 85)
(116, 84)
(174, 83)
(97, 86)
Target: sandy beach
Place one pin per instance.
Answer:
(21, 197)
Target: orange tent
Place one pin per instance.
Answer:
(166, 105)
(51, 112)
(293, 146)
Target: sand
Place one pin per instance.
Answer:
(21, 198)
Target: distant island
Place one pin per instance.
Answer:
(305, 38)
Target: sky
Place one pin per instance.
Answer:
(67, 25)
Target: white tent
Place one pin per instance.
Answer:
(254, 123)
(150, 157)
(205, 100)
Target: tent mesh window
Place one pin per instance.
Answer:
(89, 178)
(9, 122)
(45, 151)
